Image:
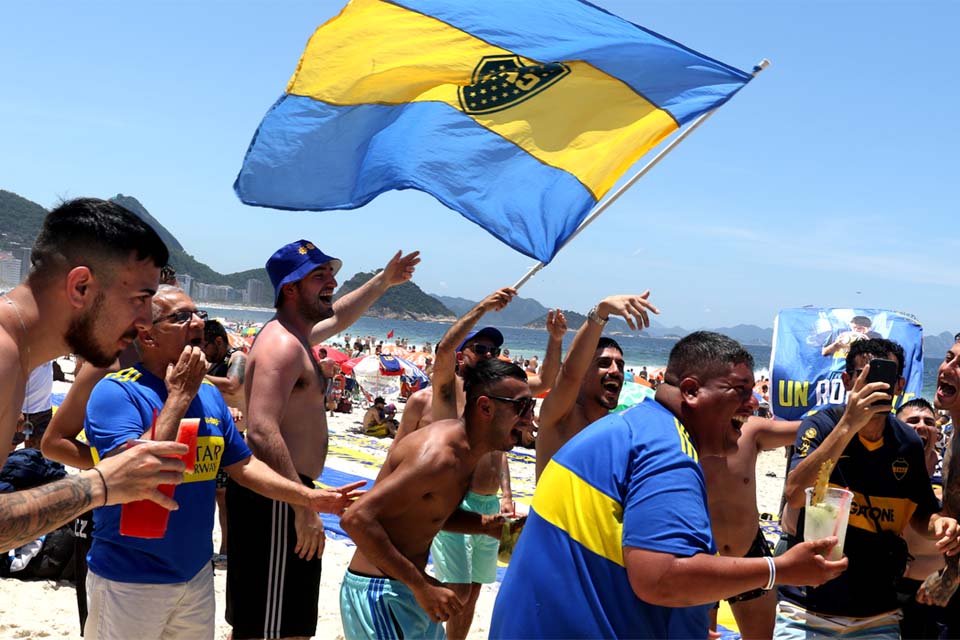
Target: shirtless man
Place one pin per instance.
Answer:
(466, 562)
(95, 267)
(734, 517)
(386, 591)
(588, 385)
(273, 559)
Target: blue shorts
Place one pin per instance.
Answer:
(796, 623)
(383, 609)
(462, 559)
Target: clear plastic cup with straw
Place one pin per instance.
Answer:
(828, 518)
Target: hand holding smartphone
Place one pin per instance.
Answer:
(883, 370)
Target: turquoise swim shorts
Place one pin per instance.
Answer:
(383, 609)
(462, 559)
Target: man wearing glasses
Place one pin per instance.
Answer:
(466, 562)
(386, 591)
(163, 587)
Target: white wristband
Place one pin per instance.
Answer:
(773, 574)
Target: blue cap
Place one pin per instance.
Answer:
(487, 332)
(292, 262)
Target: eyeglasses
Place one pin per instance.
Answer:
(522, 406)
(482, 350)
(183, 316)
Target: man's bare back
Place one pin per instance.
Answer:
(303, 424)
(419, 413)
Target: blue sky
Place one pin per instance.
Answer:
(826, 181)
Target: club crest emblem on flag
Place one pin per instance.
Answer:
(500, 82)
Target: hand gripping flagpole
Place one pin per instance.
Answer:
(760, 66)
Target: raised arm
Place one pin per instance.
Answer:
(183, 380)
(350, 307)
(445, 362)
(859, 411)
(556, 328)
(60, 442)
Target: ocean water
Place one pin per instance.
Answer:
(638, 350)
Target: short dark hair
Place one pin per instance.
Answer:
(861, 321)
(212, 329)
(919, 403)
(379, 400)
(876, 347)
(704, 355)
(87, 230)
(479, 378)
(605, 342)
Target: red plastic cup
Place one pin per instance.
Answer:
(187, 434)
(145, 518)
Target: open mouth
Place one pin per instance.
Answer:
(612, 386)
(738, 421)
(327, 298)
(946, 392)
(517, 436)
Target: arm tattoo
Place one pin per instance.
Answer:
(26, 515)
(237, 367)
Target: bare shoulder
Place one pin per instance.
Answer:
(277, 345)
(437, 445)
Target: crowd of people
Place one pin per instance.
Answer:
(640, 523)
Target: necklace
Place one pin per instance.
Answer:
(23, 327)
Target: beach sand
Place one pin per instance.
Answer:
(47, 609)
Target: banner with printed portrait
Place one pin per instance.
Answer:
(810, 347)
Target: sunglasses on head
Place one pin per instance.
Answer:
(522, 406)
(482, 350)
(183, 316)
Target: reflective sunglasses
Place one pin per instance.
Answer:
(522, 406)
(182, 317)
(482, 350)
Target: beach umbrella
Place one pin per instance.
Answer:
(394, 350)
(413, 373)
(334, 354)
(379, 375)
(632, 394)
(419, 358)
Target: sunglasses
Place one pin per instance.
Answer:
(482, 350)
(183, 316)
(522, 406)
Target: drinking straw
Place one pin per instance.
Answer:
(836, 525)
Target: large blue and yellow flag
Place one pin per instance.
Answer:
(518, 115)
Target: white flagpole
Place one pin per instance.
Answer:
(760, 66)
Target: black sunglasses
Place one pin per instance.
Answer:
(182, 316)
(482, 350)
(522, 406)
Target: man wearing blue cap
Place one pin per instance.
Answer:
(273, 567)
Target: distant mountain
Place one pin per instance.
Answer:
(458, 305)
(518, 313)
(748, 334)
(405, 301)
(133, 205)
(934, 346)
(21, 219)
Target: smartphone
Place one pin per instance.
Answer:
(883, 370)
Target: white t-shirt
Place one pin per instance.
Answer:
(39, 388)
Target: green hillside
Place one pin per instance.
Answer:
(407, 301)
(21, 219)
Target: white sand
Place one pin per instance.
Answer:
(44, 609)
